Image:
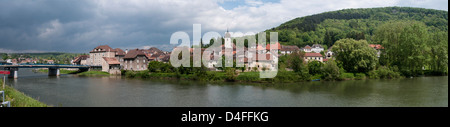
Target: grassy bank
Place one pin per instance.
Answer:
(19, 99)
(213, 76)
(94, 73)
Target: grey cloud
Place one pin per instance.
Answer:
(78, 26)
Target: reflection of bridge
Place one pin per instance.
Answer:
(53, 69)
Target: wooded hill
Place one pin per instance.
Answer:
(326, 28)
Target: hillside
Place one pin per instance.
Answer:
(326, 28)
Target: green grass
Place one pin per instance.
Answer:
(19, 99)
(94, 73)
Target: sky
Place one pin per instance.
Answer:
(78, 26)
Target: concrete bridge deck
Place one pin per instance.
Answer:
(53, 69)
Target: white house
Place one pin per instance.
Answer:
(317, 48)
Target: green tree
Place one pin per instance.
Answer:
(439, 52)
(295, 61)
(356, 56)
(406, 45)
(331, 71)
(315, 67)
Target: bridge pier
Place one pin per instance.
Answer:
(53, 72)
(13, 73)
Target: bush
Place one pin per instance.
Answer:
(143, 74)
(130, 74)
(230, 74)
(331, 71)
(347, 76)
(315, 67)
(383, 73)
(360, 76)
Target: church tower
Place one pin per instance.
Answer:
(228, 43)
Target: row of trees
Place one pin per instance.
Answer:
(410, 48)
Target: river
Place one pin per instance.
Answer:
(75, 91)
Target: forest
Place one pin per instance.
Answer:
(359, 24)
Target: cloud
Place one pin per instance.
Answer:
(78, 26)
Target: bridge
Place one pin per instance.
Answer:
(53, 69)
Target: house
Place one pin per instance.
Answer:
(80, 60)
(136, 60)
(97, 54)
(329, 53)
(111, 65)
(269, 62)
(49, 62)
(313, 56)
(288, 49)
(377, 47)
(271, 47)
(119, 54)
(307, 48)
(317, 48)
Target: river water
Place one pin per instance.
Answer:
(74, 91)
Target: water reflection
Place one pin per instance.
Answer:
(72, 90)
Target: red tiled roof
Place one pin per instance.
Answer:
(313, 54)
(325, 60)
(102, 48)
(79, 58)
(119, 52)
(111, 60)
(376, 46)
(276, 44)
(289, 48)
(307, 47)
(134, 53)
(259, 47)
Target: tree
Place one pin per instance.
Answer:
(356, 56)
(331, 71)
(406, 45)
(315, 67)
(439, 52)
(5, 56)
(296, 61)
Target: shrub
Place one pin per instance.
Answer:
(230, 74)
(347, 76)
(383, 73)
(331, 71)
(130, 74)
(360, 76)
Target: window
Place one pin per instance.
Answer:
(137, 62)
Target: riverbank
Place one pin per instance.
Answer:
(19, 99)
(253, 77)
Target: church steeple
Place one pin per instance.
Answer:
(227, 34)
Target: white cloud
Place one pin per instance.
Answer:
(53, 28)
